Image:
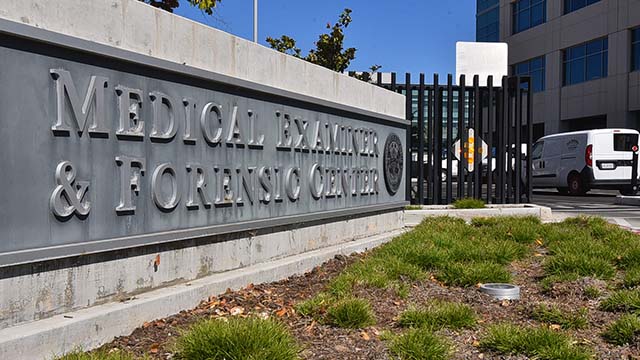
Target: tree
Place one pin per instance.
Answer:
(329, 51)
(205, 5)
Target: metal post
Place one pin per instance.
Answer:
(449, 136)
(509, 138)
(409, 142)
(500, 151)
(420, 161)
(477, 131)
(437, 146)
(529, 140)
(255, 21)
(490, 130)
(430, 137)
(462, 93)
(518, 141)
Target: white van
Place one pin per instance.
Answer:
(576, 162)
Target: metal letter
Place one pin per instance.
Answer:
(234, 135)
(129, 181)
(159, 199)
(129, 105)
(209, 108)
(159, 99)
(316, 184)
(292, 185)
(264, 175)
(284, 132)
(197, 184)
(79, 111)
(253, 142)
(67, 197)
(303, 139)
(189, 121)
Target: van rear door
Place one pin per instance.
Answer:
(613, 155)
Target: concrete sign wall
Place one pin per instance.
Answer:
(102, 153)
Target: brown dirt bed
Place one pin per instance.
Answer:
(155, 339)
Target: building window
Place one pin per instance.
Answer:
(488, 21)
(635, 49)
(528, 13)
(584, 62)
(573, 5)
(534, 68)
(483, 5)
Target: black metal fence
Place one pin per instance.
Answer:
(442, 116)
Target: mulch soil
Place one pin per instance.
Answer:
(155, 339)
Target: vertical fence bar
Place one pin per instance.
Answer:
(518, 142)
(449, 136)
(472, 122)
(409, 144)
(500, 151)
(393, 81)
(529, 140)
(490, 130)
(379, 81)
(430, 170)
(477, 131)
(420, 160)
(510, 142)
(462, 92)
(437, 153)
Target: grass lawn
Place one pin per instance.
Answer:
(417, 298)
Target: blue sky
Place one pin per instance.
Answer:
(401, 35)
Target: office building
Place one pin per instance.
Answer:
(583, 57)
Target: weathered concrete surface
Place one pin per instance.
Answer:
(89, 328)
(135, 26)
(39, 295)
(415, 217)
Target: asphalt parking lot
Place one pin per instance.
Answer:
(596, 202)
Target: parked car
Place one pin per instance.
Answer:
(576, 162)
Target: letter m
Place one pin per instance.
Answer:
(79, 111)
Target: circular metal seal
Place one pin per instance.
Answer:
(501, 291)
(393, 163)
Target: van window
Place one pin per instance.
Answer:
(536, 152)
(624, 142)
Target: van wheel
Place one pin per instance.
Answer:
(576, 185)
(629, 191)
(563, 190)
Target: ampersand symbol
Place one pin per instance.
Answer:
(68, 196)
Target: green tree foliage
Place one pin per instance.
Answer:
(329, 51)
(205, 5)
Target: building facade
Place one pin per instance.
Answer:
(583, 57)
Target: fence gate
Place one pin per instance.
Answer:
(467, 140)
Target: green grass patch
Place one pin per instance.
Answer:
(592, 292)
(469, 203)
(551, 314)
(237, 339)
(587, 247)
(350, 313)
(538, 343)
(99, 355)
(413, 207)
(419, 344)
(625, 330)
(632, 277)
(439, 314)
(622, 301)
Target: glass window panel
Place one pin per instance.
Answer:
(537, 15)
(577, 71)
(636, 57)
(522, 68)
(537, 81)
(594, 47)
(594, 67)
(537, 63)
(605, 64)
(577, 52)
(524, 18)
(524, 4)
(567, 74)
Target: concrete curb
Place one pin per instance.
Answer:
(628, 200)
(415, 217)
(92, 327)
